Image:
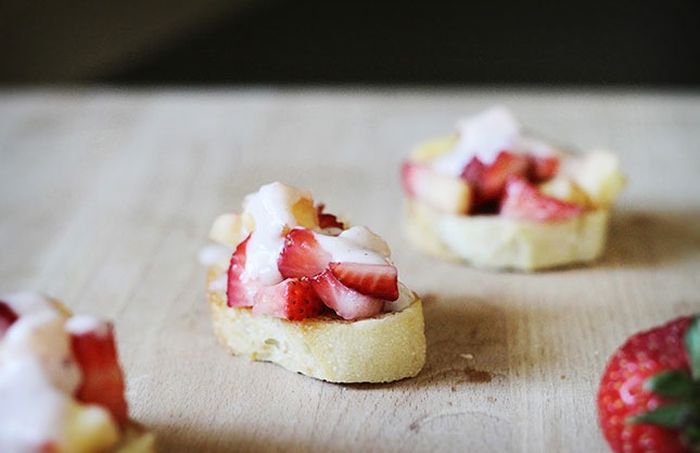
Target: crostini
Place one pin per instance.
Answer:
(498, 198)
(291, 284)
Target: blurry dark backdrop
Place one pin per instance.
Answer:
(624, 42)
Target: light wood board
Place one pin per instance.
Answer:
(107, 196)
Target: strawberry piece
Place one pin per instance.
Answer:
(374, 280)
(542, 168)
(647, 394)
(236, 294)
(293, 299)
(347, 303)
(326, 220)
(523, 201)
(302, 256)
(489, 181)
(103, 381)
(7, 317)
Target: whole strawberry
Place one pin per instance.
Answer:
(649, 395)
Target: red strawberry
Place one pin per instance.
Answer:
(293, 299)
(543, 168)
(523, 201)
(648, 399)
(326, 220)
(103, 381)
(374, 280)
(302, 256)
(236, 294)
(7, 317)
(489, 181)
(347, 303)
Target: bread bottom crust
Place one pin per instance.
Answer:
(498, 243)
(381, 349)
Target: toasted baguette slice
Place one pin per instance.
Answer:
(382, 349)
(499, 243)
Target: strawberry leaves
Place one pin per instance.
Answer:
(671, 384)
(692, 347)
(668, 415)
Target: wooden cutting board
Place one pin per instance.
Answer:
(107, 196)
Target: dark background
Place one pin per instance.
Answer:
(569, 43)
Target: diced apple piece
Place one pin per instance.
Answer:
(598, 174)
(305, 213)
(89, 428)
(442, 192)
(434, 148)
(231, 229)
(565, 189)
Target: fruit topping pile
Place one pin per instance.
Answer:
(509, 186)
(320, 266)
(92, 348)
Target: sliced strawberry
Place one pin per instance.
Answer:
(293, 299)
(103, 381)
(347, 303)
(7, 317)
(374, 280)
(302, 256)
(489, 181)
(523, 201)
(326, 220)
(543, 168)
(236, 294)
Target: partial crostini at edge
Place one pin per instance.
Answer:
(493, 196)
(61, 385)
(291, 284)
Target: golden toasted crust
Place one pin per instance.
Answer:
(500, 243)
(382, 349)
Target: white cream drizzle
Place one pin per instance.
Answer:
(485, 135)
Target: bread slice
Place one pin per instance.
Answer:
(381, 349)
(499, 243)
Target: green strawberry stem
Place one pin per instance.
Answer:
(682, 412)
(692, 346)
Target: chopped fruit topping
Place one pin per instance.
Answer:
(236, 293)
(375, 280)
(7, 317)
(326, 220)
(302, 256)
(648, 394)
(488, 181)
(231, 229)
(347, 303)
(440, 191)
(103, 381)
(543, 168)
(565, 189)
(293, 299)
(598, 174)
(523, 201)
(305, 213)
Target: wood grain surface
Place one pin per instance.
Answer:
(107, 196)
